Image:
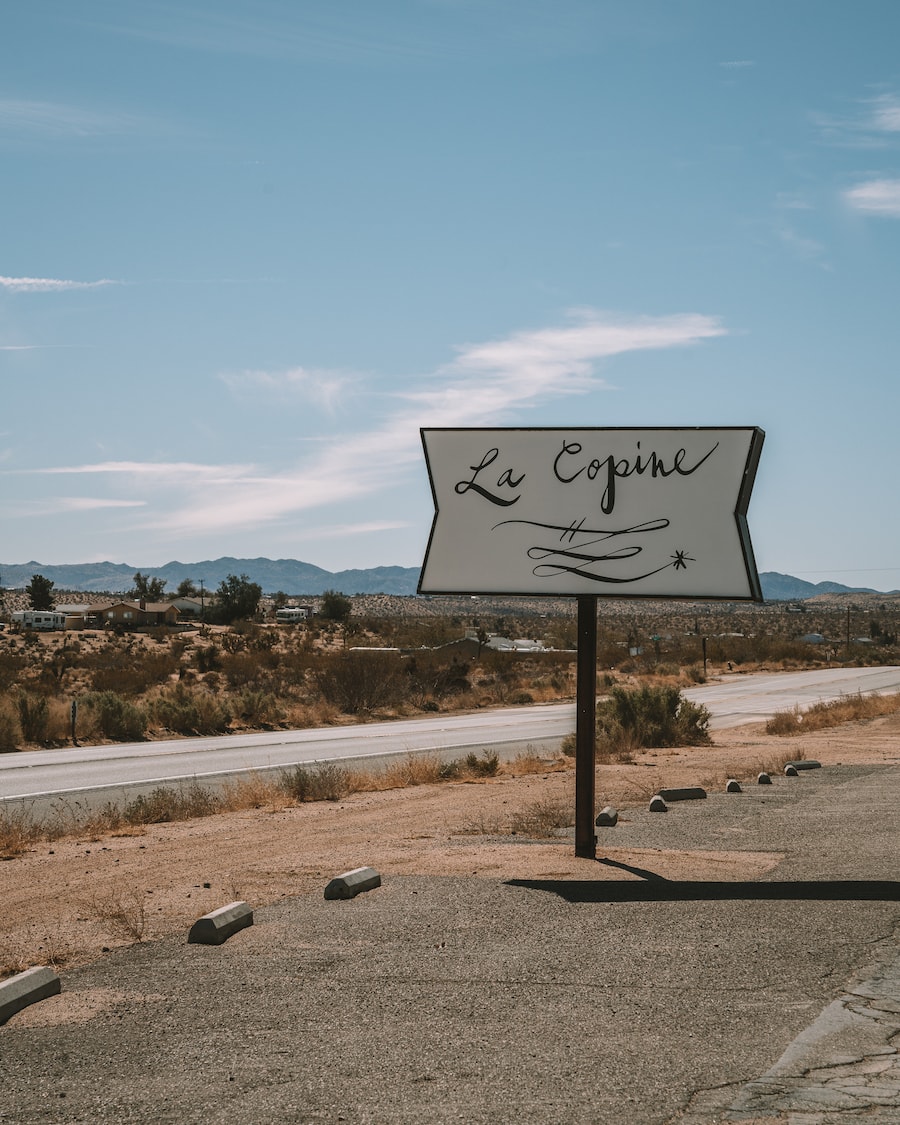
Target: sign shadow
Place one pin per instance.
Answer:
(651, 887)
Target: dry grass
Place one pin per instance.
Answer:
(253, 791)
(44, 948)
(537, 820)
(541, 819)
(18, 830)
(123, 910)
(847, 709)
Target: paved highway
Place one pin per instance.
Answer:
(97, 769)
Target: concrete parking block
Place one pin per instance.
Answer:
(219, 925)
(607, 818)
(27, 988)
(688, 793)
(732, 785)
(806, 764)
(352, 883)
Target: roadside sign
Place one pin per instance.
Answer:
(613, 512)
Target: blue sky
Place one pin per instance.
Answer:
(248, 249)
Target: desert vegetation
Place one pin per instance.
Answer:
(383, 657)
(21, 826)
(833, 713)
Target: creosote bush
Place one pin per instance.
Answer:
(115, 717)
(186, 711)
(647, 717)
(34, 716)
(10, 729)
(324, 782)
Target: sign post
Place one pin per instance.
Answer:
(586, 727)
(618, 513)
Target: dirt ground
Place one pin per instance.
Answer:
(69, 901)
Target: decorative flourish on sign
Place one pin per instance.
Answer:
(682, 558)
(580, 555)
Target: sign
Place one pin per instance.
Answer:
(628, 513)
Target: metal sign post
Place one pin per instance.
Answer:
(586, 727)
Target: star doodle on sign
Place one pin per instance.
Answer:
(682, 558)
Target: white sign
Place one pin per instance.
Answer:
(629, 513)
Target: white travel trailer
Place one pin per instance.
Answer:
(291, 615)
(38, 619)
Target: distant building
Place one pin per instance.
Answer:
(41, 619)
(292, 614)
(134, 614)
(190, 607)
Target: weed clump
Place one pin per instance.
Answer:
(484, 766)
(324, 782)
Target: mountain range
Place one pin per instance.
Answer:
(294, 577)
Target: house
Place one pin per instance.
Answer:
(190, 607)
(131, 615)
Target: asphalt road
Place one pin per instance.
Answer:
(96, 770)
(618, 998)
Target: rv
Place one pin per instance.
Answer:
(38, 619)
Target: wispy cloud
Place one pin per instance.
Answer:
(174, 472)
(870, 126)
(324, 388)
(325, 34)
(57, 120)
(875, 197)
(50, 284)
(886, 113)
(738, 64)
(485, 384)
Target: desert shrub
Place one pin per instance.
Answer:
(34, 715)
(541, 819)
(323, 782)
(360, 682)
(258, 708)
(10, 730)
(187, 711)
(484, 766)
(243, 669)
(115, 717)
(650, 717)
(11, 667)
(694, 673)
(208, 658)
(133, 675)
(434, 676)
(166, 804)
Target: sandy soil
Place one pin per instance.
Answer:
(69, 901)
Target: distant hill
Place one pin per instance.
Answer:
(294, 577)
(785, 588)
(288, 575)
